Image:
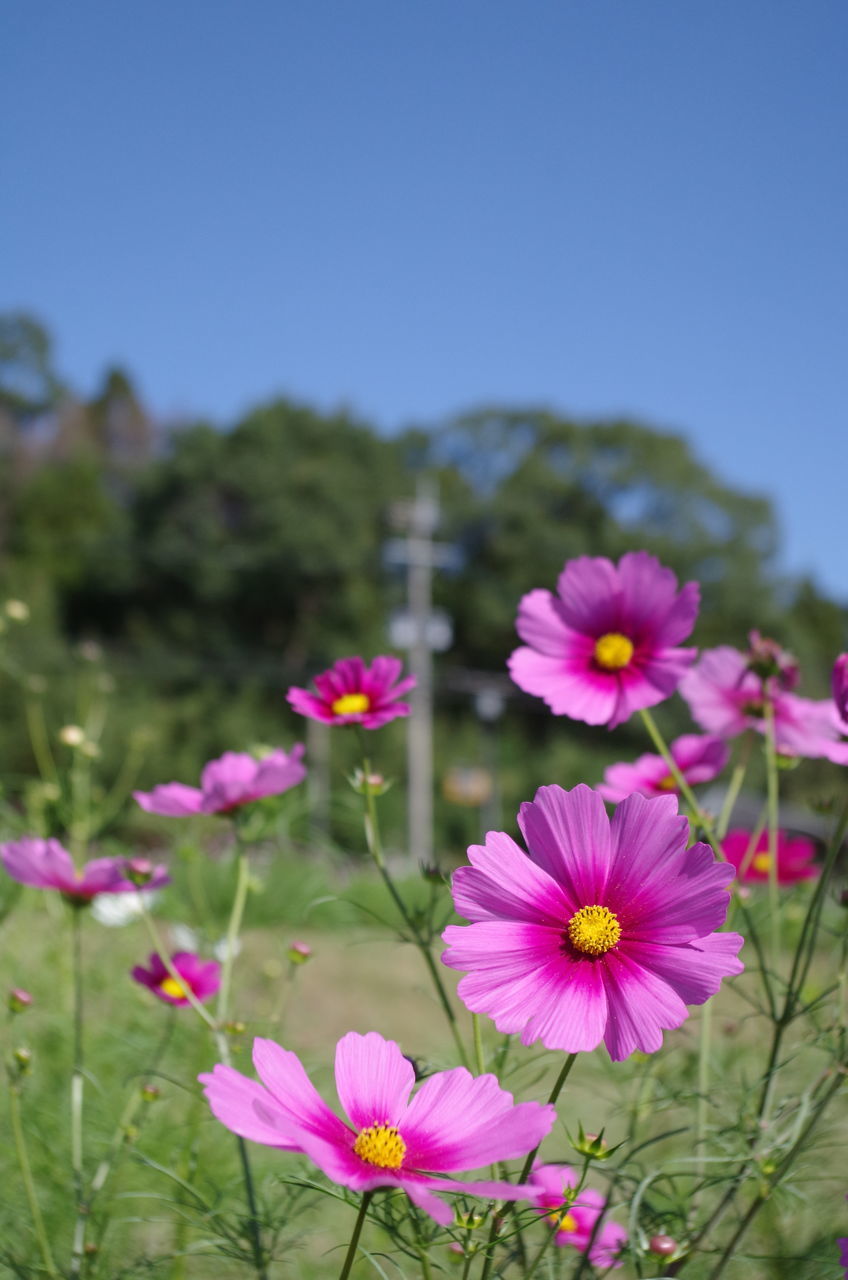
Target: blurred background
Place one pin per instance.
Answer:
(335, 328)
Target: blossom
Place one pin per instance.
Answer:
(839, 684)
(726, 697)
(574, 1217)
(227, 783)
(200, 977)
(699, 757)
(603, 930)
(604, 645)
(455, 1121)
(794, 857)
(353, 693)
(45, 864)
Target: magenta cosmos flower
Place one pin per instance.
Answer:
(699, 757)
(455, 1121)
(605, 645)
(573, 1218)
(351, 693)
(227, 783)
(603, 930)
(839, 684)
(794, 857)
(201, 977)
(45, 864)
(726, 697)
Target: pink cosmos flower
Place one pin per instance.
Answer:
(726, 697)
(455, 1121)
(839, 684)
(604, 645)
(699, 757)
(45, 864)
(574, 1219)
(201, 977)
(227, 783)
(794, 857)
(352, 693)
(603, 930)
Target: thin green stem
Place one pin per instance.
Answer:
(772, 807)
(29, 1185)
(540, 1255)
(233, 928)
(479, 1056)
(498, 1217)
(253, 1210)
(354, 1239)
(372, 839)
(702, 1111)
(737, 777)
(77, 1080)
(674, 769)
(40, 742)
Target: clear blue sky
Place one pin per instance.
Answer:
(413, 206)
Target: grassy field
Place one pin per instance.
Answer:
(179, 1171)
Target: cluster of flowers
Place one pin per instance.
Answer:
(601, 929)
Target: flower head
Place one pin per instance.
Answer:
(455, 1121)
(200, 977)
(794, 857)
(605, 645)
(839, 684)
(45, 864)
(227, 783)
(699, 757)
(726, 697)
(574, 1216)
(603, 930)
(352, 693)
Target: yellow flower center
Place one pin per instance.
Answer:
(613, 651)
(761, 861)
(173, 988)
(666, 784)
(563, 1221)
(381, 1145)
(594, 930)
(350, 704)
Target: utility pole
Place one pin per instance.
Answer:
(420, 631)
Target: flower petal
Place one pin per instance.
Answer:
(171, 799)
(568, 836)
(502, 882)
(373, 1079)
(295, 1095)
(247, 1109)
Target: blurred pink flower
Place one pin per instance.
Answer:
(574, 1219)
(604, 930)
(201, 977)
(45, 864)
(605, 645)
(794, 857)
(726, 697)
(454, 1123)
(699, 757)
(352, 693)
(228, 783)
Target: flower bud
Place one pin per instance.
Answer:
(592, 1144)
(662, 1245)
(371, 784)
(18, 1000)
(71, 735)
(299, 952)
(22, 1058)
(149, 1092)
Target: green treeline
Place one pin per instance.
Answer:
(214, 567)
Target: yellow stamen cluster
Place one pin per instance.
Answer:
(666, 784)
(613, 651)
(380, 1145)
(171, 987)
(761, 862)
(350, 704)
(594, 930)
(563, 1221)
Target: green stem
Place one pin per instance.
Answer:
(242, 881)
(29, 1185)
(372, 838)
(40, 742)
(253, 1210)
(703, 1090)
(772, 805)
(674, 769)
(735, 786)
(354, 1239)
(479, 1056)
(540, 1255)
(77, 1080)
(498, 1217)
